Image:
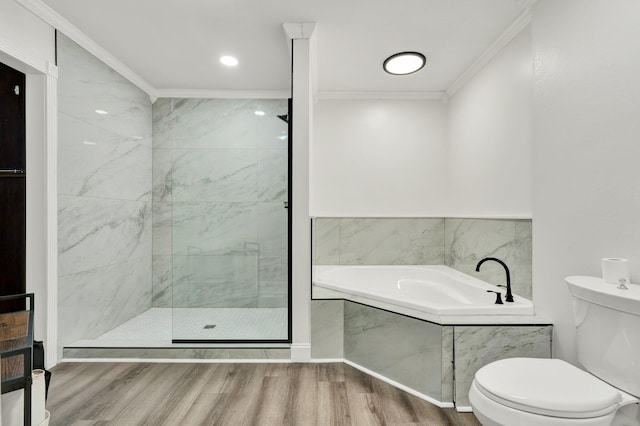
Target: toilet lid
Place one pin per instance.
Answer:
(550, 387)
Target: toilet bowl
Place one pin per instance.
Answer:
(542, 392)
(552, 392)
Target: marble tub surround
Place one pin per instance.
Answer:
(476, 347)
(469, 240)
(378, 241)
(436, 361)
(104, 196)
(458, 243)
(321, 294)
(327, 329)
(402, 349)
(219, 184)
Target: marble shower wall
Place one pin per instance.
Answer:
(104, 196)
(458, 243)
(219, 183)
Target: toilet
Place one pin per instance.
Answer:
(552, 392)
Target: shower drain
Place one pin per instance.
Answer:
(209, 326)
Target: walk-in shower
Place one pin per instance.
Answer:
(221, 234)
(173, 222)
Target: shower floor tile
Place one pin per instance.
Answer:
(158, 326)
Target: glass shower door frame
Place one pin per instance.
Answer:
(287, 205)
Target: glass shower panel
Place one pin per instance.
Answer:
(228, 184)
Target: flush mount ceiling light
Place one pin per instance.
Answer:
(101, 112)
(259, 113)
(229, 61)
(404, 63)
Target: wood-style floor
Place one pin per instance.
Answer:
(234, 394)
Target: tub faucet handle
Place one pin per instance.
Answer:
(498, 297)
(623, 283)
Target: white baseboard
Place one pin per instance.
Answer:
(326, 360)
(300, 352)
(464, 409)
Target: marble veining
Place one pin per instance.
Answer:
(326, 241)
(215, 281)
(447, 363)
(272, 229)
(469, 240)
(327, 329)
(162, 278)
(104, 195)
(438, 361)
(162, 174)
(458, 243)
(219, 183)
(95, 162)
(94, 301)
(94, 232)
(498, 342)
(272, 282)
(162, 221)
(400, 348)
(391, 241)
(221, 175)
(272, 175)
(215, 228)
(86, 84)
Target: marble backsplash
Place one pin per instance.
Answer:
(219, 184)
(458, 243)
(104, 196)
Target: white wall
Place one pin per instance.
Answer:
(586, 198)
(23, 31)
(489, 137)
(27, 44)
(470, 157)
(378, 158)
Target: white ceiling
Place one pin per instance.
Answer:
(176, 44)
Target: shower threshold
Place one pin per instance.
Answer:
(160, 327)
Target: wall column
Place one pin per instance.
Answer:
(301, 35)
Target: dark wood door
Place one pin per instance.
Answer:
(12, 183)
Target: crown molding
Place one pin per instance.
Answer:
(509, 34)
(223, 94)
(58, 22)
(402, 96)
(18, 58)
(299, 30)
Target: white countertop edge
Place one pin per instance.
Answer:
(320, 293)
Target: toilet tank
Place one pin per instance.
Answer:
(607, 323)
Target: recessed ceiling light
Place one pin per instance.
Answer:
(259, 113)
(404, 63)
(101, 112)
(229, 61)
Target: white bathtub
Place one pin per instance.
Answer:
(433, 289)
